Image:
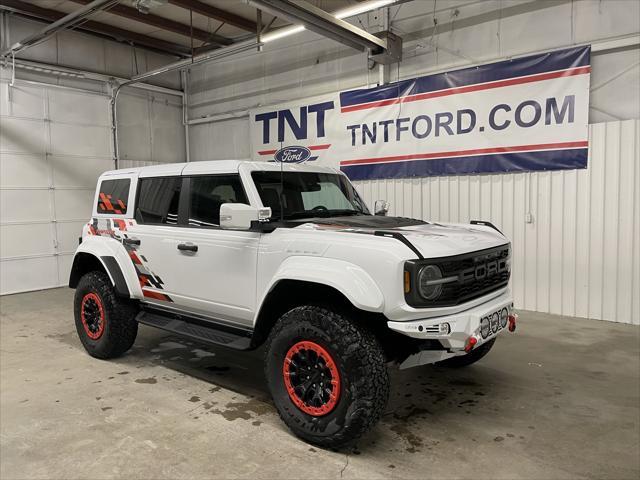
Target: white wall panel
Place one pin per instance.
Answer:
(78, 172)
(67, 233)
(22, 101)
(26, 274)
(168, 140)
(61, 102)
(150, 128)
(54, 143)
(80, 140)
(23, 170)
(581, 255)
(35, 239)
(64, 261)
(25, 205)
(73, 204)
(22, 136)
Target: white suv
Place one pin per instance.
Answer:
(242, 254)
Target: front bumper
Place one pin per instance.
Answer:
(454, 331)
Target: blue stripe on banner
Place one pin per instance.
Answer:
(531, 65)
(496, 163)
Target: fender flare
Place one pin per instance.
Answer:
(116, 262)
(347, 278)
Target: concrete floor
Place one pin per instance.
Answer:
(559, 399)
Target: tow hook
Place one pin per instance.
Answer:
(471, 342)
(513, 318)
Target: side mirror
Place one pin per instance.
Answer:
(238, 216)
(381, 207)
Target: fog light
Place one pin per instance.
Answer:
(485, 328)
(504, 315)
(445, 328)
(495, 322)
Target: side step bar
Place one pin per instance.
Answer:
(202, 331)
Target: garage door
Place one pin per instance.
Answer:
(54, 143)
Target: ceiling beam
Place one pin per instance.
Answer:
(165, 24)
(64, 23)
(119, 34)
(217, 14)
(319, 21)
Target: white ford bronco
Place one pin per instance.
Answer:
(244, 254)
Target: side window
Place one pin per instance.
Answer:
(208, 193)
(158, 200)
(113, 196)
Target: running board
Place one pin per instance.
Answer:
(211, 333)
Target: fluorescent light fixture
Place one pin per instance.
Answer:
(362, 8)
(281, 33)
(341, 14)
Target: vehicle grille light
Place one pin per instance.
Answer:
(485, 327)
(430, 282)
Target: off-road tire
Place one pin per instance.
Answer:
(470, 358)
(360, 361)
(118, 316)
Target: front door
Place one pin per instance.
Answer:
(193, 264)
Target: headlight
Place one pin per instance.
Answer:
(429, 282)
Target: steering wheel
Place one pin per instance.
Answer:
(319, 208)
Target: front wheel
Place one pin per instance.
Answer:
(105, 323)
(327, 376)
(470, 358)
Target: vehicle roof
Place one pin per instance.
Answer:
(217, 166)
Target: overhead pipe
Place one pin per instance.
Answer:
(67, 21)
(181, 64)
(43, 67)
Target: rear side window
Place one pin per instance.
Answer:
(158, 200)
(208, 193)
(113, 196)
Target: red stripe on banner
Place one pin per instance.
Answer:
(311, 147)
(461, 153)
(470, 88)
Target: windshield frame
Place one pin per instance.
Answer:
(261, 178)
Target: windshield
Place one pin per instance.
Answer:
(307, 194)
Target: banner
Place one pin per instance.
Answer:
(525, 114)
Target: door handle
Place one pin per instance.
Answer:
(131, 241)
(189, 247)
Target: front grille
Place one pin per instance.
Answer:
(471, 275)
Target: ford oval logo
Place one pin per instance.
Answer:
(292, 154)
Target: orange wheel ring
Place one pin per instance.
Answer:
(312, 378)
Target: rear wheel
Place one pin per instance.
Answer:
(327, 376)
(470, 358)
(105, 323)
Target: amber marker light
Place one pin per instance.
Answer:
(407, 282)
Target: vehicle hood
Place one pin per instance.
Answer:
(432, 240)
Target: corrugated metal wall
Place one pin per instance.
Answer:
(580, 255)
